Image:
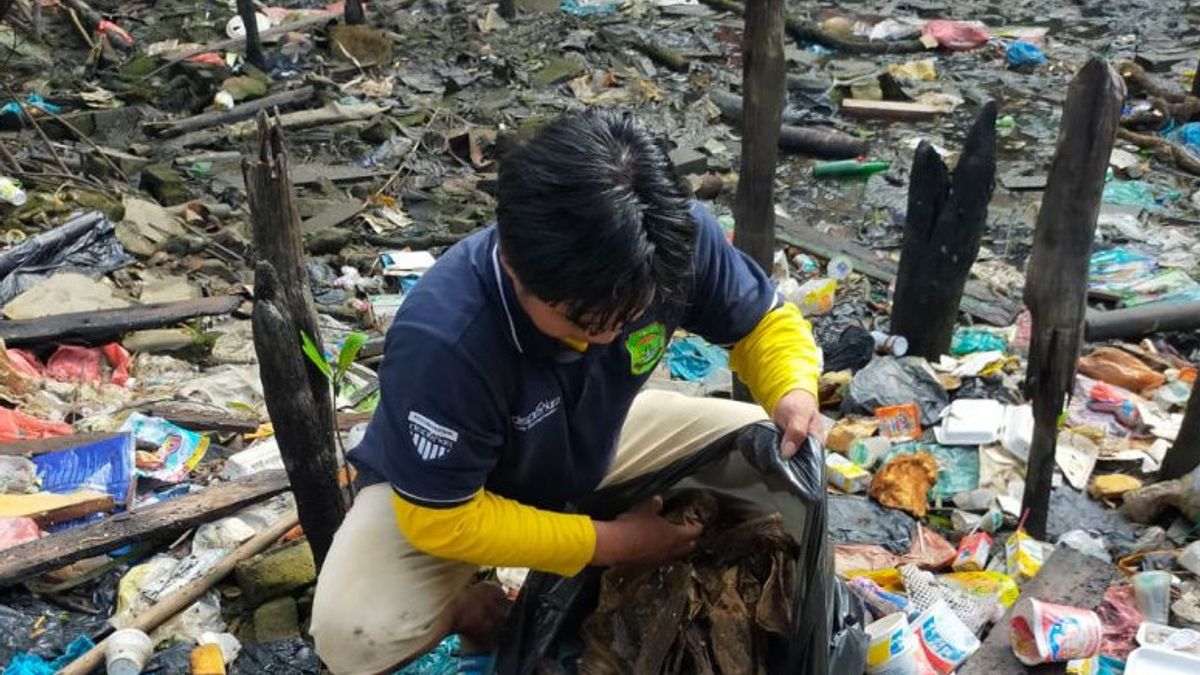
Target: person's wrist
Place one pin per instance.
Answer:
(609, 543)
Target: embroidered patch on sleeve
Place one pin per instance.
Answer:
(431, 440)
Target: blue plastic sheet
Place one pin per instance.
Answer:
(32, 664)
(1024, 54)
(104, 466)
(590, 7)
(693, 358)
(958, 468)
(33, 100)
(1187, 135)
(1138, 193)
(967, 341)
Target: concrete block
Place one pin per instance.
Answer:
(279, 571)
(279, 619)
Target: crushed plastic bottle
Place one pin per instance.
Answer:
(839, 267)
(11, 192)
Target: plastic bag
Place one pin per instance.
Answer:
(31, 664)
(1023, 54)
(15, 531)
(853, 350)
(17, 426)
(693, 358)
(826, 633)
(85, 244)
(1119, 367)
(178, 450)
(891, 381)
(969, 341)
(18, 475)
(955, 35)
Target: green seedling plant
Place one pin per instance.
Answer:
(335, 373)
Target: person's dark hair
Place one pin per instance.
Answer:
(593, 216)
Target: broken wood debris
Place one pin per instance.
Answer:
(98, 326)
(159, 521)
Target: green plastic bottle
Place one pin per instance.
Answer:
(849, 167)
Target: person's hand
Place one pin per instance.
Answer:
(642, 536)
(798, 416)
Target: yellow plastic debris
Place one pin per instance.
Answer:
(1113, 485)
(914, 71)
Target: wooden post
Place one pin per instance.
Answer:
(1196, 83)
(1184, 455)
(254, 52)
(1056, 288)
(354, 14)
(944, 228)
(763, 77)
(297, 393)
(508, 9)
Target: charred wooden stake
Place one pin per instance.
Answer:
(946, 217)
(297, 393)
(354, 14)
(1184, 455)
(763, 77)
(1056, 289)
(254, 52)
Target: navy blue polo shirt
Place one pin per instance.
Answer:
(474, 396)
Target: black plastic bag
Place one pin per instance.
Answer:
(85, 244)
(826, 634)
(890, 381)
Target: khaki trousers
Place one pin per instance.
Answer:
(380, 602)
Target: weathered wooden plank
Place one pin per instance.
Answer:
(190, 417)
(1068, 577)
(978, 300)
(104, 325)
(44, 445)
(242, 111)
(158, 521)
(48, 508)
(902, 111)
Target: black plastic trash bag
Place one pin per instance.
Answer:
(826, 634)
(85, 244)
(891, 381)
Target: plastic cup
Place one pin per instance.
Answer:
(1045, 633)
(887, 637)
(945, 639)
(126, 651)
(1152, 593)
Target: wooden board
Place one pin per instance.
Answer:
(158, 521)
(1067, 578)
(978, 300)
(48, 508)
(192, 417)
(43, 445)
(889, 110)
(104, 325)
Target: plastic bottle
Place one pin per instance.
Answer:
(11, 192)
(839, 267)
(849, 167)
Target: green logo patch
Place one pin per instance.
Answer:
(646, 346)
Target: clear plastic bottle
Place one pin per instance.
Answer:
(11, 192)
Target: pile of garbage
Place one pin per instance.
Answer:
(136, 453)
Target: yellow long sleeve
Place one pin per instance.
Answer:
(778, 356)
(494, 531)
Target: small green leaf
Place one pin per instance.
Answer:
(315, 355)
(350, 347)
